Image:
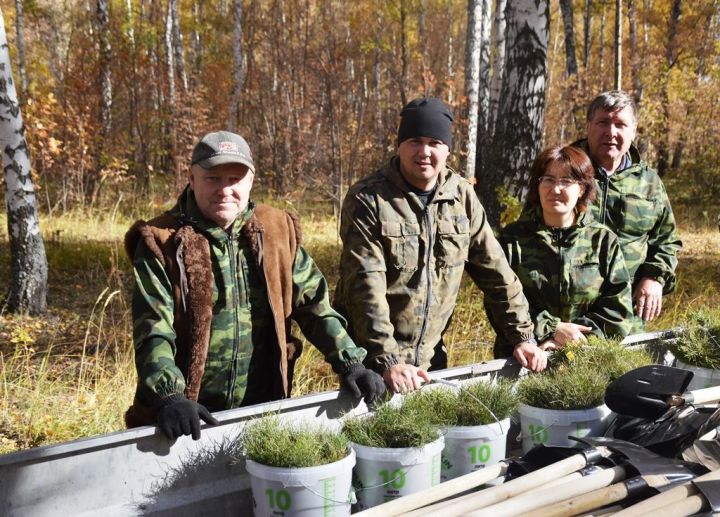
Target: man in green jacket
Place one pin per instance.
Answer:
(632, 201)
(217, 282)
(409, 230)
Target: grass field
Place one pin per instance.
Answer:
(70, 373)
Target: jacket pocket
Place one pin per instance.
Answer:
(640, 214)
(453, 242)
(402, 244)
(586, 282)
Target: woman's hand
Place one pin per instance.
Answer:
(568, 332)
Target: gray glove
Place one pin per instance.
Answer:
(180, 416)
(361, 382)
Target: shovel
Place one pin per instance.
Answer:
(650, 391)
(655, 471)
(496, 494)
(693, 491)
(630, 455)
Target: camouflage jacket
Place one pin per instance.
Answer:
(212, 311)
(402, 265)
(574, 275)
(633, 203)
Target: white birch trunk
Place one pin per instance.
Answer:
(20, 41)
(103, 21)
(483, 89)
(498, 64)
(27, 292)
(178, 47)
(521, 116)
(238, 64)
(170, 55)
(472, 80)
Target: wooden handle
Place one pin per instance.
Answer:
(705, 395)
(689, 506)
(524, 503)
(583, 503)
(443, 490)
(465, 504)
(673, 495)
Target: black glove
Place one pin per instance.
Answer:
(361, 382)
(179, 416)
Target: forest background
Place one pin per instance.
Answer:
(114, 93)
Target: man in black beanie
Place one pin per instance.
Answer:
(409, 230)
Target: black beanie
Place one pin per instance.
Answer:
(426, 117)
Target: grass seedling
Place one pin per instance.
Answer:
(449, 407)
(699, 344)
(579, 374)
(392, 427)
(270, 441)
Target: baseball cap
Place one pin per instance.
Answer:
(221, 147)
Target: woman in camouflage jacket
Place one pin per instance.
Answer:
(571, 267)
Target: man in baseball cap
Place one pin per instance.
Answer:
(409, 230)
(217, 281)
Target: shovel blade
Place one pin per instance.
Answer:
(643, 392)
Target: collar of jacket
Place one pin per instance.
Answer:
(187, 212)
(533, 216)
(633, 168)
(446, 182)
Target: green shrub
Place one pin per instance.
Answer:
(278, 444)
(448, 407)
(393, 427)
(699, 344)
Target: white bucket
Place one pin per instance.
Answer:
(702, 377)
(384, 474)
(471, 448)
(553, 426)
(305, 491)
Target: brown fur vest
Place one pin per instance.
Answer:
(274, 237)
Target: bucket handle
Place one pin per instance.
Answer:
(383, 484)
(459, 386)
(351, 499)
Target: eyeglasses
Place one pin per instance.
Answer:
(551, 181)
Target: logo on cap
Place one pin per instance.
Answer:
(228, 147)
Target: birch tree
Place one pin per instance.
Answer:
(177, 45)
(477, 81)
(521, 116)
(172, 94)
(498, 64)
(238, 64)
(20, 43)
(102, 21)
(27, 292)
